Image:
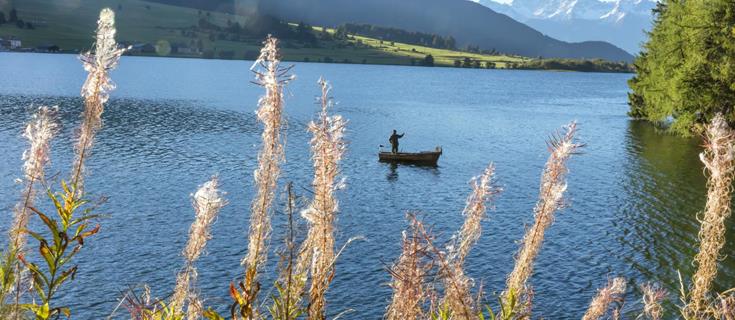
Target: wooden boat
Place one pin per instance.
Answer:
(426, 158)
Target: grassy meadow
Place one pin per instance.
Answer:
(66, 23)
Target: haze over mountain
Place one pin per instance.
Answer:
(620, 22)
(468, 22)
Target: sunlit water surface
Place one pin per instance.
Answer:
(172, 123)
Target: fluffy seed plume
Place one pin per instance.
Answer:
(718, 160)
(601, 303)
(457, 289)
(724, 308)
(271, 76)
(96, 89)
(653, 296)
(39, 132)
(410, 288)
(207, 202)
(327, 149)
(474, 212)
(457, 294)
(551, 194)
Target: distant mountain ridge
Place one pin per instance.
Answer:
(620, 22)
(468, 22)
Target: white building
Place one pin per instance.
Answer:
(15, 43)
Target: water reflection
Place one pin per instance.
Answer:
(392, 175)
(664, 188)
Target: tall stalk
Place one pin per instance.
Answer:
(271, 76)
(718, 158)
(457, 294)
(327, 149)
(612, 292)
(553, 185)
(95, 91)
(39, 132)
(207, 203)
(409, 273)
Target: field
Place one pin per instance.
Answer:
(67, 24)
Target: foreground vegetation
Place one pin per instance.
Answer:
(156, 29)
(428, 278)
(686, 72)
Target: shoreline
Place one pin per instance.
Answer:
(286, 59)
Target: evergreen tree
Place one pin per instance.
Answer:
(13, 15)
(2, 18)
(686, 72)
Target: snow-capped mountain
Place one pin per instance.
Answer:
(621, 22)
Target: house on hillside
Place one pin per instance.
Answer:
(11, 43)
(142, 48)
(15, 43)
(180, 48)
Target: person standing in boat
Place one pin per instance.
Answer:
(394, 141)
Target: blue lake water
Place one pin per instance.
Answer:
(172, 123)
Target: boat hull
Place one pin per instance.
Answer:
(430, 158)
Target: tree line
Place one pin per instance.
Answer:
(399, 35)
(686, 70)
(255, 26)
(13, 19)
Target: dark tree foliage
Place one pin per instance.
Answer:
(467, 63)
(256, 26)
(686, 72)
(2, 18)
(428, 61)
(13, 15)
(597, 65)
(399, 35)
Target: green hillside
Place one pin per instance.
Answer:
(69, 25)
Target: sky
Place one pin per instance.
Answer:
(509, 1)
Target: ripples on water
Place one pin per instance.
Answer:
(174, 122)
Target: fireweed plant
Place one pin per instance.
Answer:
(428, 280)
(65, 230)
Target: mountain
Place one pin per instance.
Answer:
(620, 22)
(468, 22)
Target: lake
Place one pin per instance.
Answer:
(172, 123)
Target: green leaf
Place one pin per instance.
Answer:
(84, 218)
(235, 294)
(50, 223)
(42, 312)
(212, 315)
(66, 311)
(64, 276)
(35, 235)
(48, 256)
(81, 237)
(35, 271)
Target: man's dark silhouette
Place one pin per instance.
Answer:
(394, 141)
